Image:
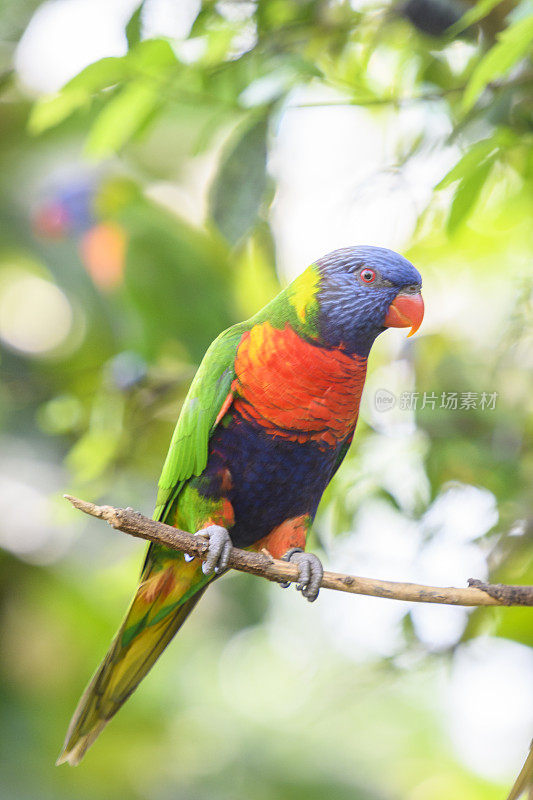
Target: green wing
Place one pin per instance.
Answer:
(187, 454)
(151, 623)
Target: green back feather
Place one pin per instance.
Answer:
(187, 454)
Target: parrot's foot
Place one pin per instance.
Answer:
(310, 572)
(219, 549)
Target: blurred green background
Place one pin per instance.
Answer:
(164, 168)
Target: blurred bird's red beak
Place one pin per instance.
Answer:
(406, 311)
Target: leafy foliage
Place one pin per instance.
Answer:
(239, 185)
(160, 239)
(514, 43)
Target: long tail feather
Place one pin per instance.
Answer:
(164, 600)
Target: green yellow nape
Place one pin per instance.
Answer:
(302, 296)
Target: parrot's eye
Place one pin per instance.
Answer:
(367, 275)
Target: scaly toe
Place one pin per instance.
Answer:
(219, 549)
(304, 569)
(310, 572)
(224, 555)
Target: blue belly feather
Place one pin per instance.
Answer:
(273, 479)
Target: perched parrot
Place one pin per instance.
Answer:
(266, 424)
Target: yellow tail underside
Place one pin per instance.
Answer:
(142, 637)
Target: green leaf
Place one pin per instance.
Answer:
(99, 75)
(468, 163)
(481, 10)
(512, 46)
(121, 118)
(239, 185)
(153, 58)
(53, 109)
(468, 192)
(133, 27)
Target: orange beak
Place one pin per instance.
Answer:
(406, 311)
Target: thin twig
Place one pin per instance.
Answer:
(477, 594)
(400, 100)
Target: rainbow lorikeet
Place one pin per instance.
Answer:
(267, 422)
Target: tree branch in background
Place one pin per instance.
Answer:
(477, 594)
(495, 86)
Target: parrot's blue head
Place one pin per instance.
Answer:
(362, 291)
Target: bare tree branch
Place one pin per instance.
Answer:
(477, 594)
(523, 79)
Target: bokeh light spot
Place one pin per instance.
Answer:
(61, 414)
(35, 315)
(103, 252)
